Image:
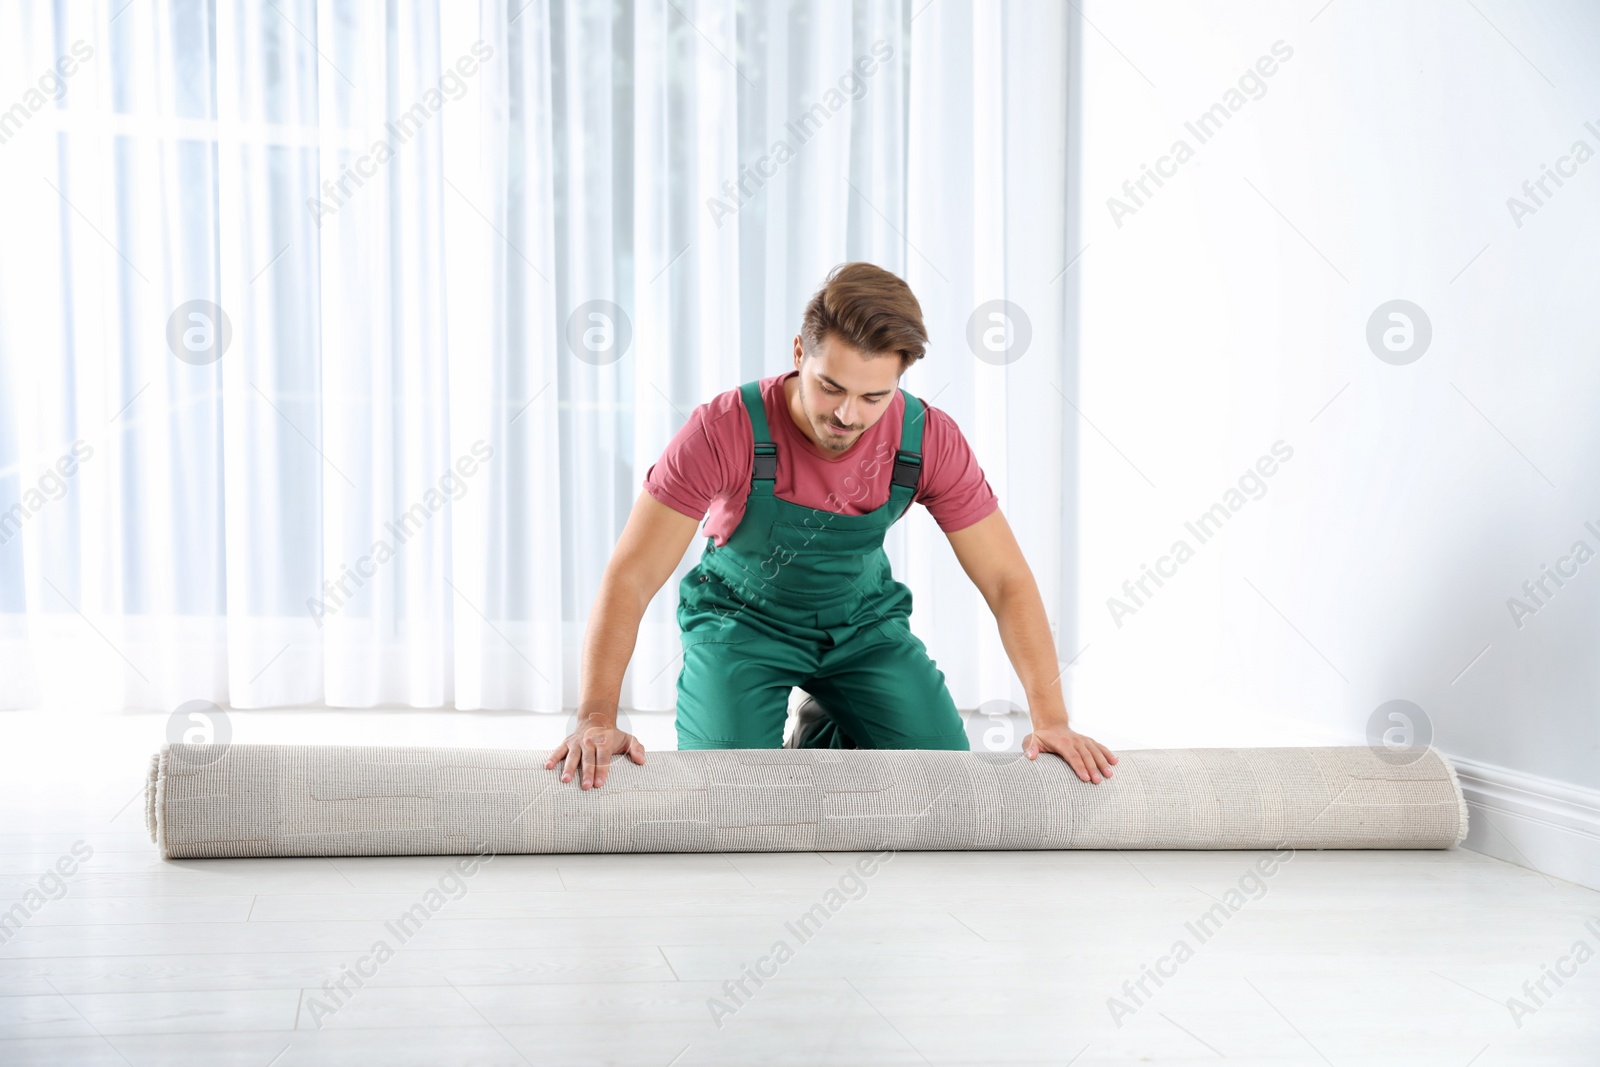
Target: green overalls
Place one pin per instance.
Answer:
(803, 597)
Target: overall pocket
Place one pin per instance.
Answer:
(708, 610)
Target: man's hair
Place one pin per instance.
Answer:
(868, 308)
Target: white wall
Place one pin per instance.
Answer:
(1379, 561)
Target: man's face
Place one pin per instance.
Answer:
(839, 386)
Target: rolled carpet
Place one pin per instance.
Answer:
(330, 800)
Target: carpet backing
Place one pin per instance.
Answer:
(356, 800)
(330, 800)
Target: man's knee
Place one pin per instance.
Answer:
(945, 742)
(727, 736)
(696, 744)
(748, 722)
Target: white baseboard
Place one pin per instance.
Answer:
(1548, 826)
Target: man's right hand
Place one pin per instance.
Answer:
(589, 750)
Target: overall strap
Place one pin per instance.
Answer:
(908, 461)
(766, 461)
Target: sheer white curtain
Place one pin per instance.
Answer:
(335, 341)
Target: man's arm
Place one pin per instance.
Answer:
(989, 553)
(651, 546)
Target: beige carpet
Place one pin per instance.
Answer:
(308, 800)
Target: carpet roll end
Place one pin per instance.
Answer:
(1461, 798)
(152, 801)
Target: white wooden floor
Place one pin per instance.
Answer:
(1369, 958)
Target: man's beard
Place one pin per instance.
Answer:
(830, 440)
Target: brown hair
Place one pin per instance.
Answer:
(868, 308)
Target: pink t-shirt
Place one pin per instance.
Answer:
(705, 470)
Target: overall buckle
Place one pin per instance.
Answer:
(766, 463)
(907, 469)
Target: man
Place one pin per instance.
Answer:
(802, 474)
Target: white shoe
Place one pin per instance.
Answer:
(808, 717)
(807, 714)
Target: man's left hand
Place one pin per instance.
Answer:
(1088, 757)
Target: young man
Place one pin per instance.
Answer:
(802, 474)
